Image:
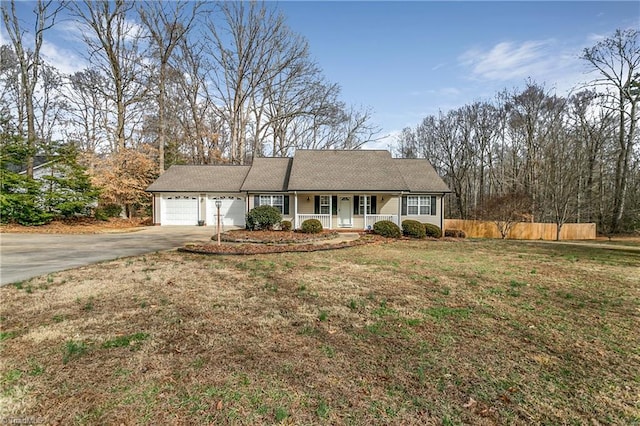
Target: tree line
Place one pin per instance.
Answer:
(207, 83)
(534, 155)
(168, 83)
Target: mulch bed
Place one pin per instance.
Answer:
(252, 248)
(272, 237)
(80, 225)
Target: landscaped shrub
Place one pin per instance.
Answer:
(263, 217)
(386, 228)
(311, 226)
(432, 230)
(455, 233)
(285, 225)
(413, 229)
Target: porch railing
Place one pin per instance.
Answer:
(325, 219)
(370, 219)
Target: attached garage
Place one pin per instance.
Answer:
(179, 209)
(186, 195)
(232, 210)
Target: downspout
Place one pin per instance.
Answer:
(442, 213)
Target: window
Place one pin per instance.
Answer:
(359, 204)
(325, 204)
(362, 205)
(418, 205)
(276, 201)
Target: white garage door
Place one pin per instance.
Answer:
(179, 210)
(232, 211)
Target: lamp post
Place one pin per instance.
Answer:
(218, 205)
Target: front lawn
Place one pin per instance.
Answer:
(410, 332)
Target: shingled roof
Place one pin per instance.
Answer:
(200, 179)
(268, 174)
(419, 175)
(308, 170)
(355, 170)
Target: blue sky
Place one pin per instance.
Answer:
(405, 60)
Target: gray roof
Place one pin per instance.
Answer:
(420, 176)
(200, 179)
(268, 174)
(355, 170)
(308, 170)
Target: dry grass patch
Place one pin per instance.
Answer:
(412, 332)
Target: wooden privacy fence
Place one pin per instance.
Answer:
(524, 230)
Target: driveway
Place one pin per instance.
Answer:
(24, 256)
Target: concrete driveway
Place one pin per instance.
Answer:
(24, 256)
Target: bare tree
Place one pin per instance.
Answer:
(203, 136)
(592, 126)
(249, 49)
(167, 24)
(506, 210)
(617, 61)
(51, 104)
(29, 59)
(532, 114)
(88, 110)
(114, 45)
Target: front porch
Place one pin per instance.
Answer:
(346, 211)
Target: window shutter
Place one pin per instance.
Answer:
(356, 205)
(404, 206)
(433, 205)
(286, 205)
(256, 201)
(334, 204)
(316, 204)
(374, 202)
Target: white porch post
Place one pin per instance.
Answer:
(365, 212)
(399, 209)
(330, 212)
(295, 210)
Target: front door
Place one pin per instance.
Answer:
(344, 212)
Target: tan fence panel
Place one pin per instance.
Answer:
(524, 230)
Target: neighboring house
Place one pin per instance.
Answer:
(343, 189)
(41, 167)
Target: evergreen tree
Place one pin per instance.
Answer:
(67, 190)
(19, 193)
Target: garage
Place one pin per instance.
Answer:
(232, 210)
(179, 209)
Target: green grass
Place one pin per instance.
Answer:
(410, 332)
(73, 350)
(132, 341)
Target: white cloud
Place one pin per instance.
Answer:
(508, 60)
(387, 141)
(64, 60)
(4, 38)
(441, 91)
(595, 38)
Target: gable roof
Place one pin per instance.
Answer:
(308, 170)
(200, 179)
(353, 170)
(419, 175)
(268, 174)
